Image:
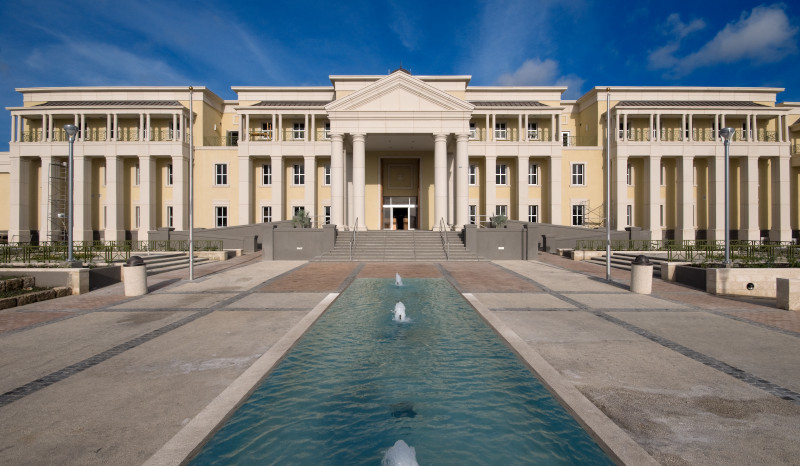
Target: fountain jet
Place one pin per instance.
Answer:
(399, 312)
(397, 280)
(400, 455)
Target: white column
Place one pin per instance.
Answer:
(490, 171)
(313, 135)
(462, 180)
(650, 129)
(245, 189)
(625, 127)
(44, 199)
(13, 127)
(658, 127)
(555, 190)
(716, 194)
(114, 202)
(274, 137)
(748, 131)
(180, 192)
(553, 136)
(439, 179)
(306, 128)
(19, 178)
(683, 127)
(51, 128)
(691, 127)
(140, 136)
(337, 180)
(310, 187)
(147, 196)
(519, 136)
(279, 129)
(654, 196)
(108, 127)
(755, 127)
(277, 187)
(175, 127)
(148, 129)
(489, 131)
(781, 230)
(685, 228)
(620, 165)
(525, 129)
(82, 207)
(522, 188)
(20, 124)
(748, 223)
(116, 128)
(82, 132)
(359, 178)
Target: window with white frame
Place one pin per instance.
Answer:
(137, 220)
(578, 215)
(473, 130)
(473, 214)
(105, 216)
(629, 215)
(533, 213)
(501, 174)
(326, 174)
(169, 175)
(327, 210)
(170, 218)
(661, 214)
(326, 131)
(221, 216)
(266, 174)
(578, 174)
(221, 174)
(266, 213)
(266, 131)
(629, 175)
(662, 175)
(533, 131)
(566, 141)
(501, 210)
(473, 175)
(137, 175)
(500, 131)
(298, 209)
(298, 174)
(533, 174)
(299, 131)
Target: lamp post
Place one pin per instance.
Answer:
(726, 134)
(71, 130)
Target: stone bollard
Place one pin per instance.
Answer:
(641, 275)
(135, 277)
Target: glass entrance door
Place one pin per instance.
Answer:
(399, 213)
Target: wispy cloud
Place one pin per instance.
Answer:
(403, 26)
(763, 35)
(537, 72)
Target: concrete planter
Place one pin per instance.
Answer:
(755, 282)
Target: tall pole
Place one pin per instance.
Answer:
(608, 184)
(726, 134)
(70, 130)
(191, 183)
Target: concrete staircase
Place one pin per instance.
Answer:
(167, 262)
(405, 245)
(622, 260)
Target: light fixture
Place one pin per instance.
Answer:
(726, 134)
(71, 130)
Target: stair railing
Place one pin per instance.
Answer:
(445, 239)
(353, 238)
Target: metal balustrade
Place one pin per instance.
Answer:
(95, 251)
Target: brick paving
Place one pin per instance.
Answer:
(13, 320)
(405, 269)
(315, 276)
(481, 277)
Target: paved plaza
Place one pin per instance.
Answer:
(678, 377)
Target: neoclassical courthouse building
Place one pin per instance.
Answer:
(401, 151)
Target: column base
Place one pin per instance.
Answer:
(716, 235)
(750, 235)
(685, 234)
(780, 235)
(114, 235)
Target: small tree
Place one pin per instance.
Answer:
(499, 221)
(301, 219)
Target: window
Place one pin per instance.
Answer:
(327, 210)
(105, 217)
(136, 175)
(266, 131)
(662, 175)
(622, 132)
(578, 174)
(169, 175)
(533, 174)
(137, 216)
(501, 210)
(500, 131)
(629, 175)
(533, 213)
(326, 132)
(326, 174)
(473, 175)
(298, 209)
(170, 212)
(232, 139)
(221, 174)
(533, 131)
(266, 174)
(221, 216)
(661, 214)
(566, 141)
(473, 131)
(473, 214)
(501, 174)
(266, 214)
(298, 174)
(299, 131)
(578, 211)
(628, 215)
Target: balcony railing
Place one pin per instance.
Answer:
(227, 141)
(795, 148)
(261, 135)
(698, 135)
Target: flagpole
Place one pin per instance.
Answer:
(191, 183)
(608, 184)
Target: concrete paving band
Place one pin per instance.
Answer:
(675, 377)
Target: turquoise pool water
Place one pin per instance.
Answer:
(444, 383)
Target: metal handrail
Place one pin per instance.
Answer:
(445, 240)
(353, 238)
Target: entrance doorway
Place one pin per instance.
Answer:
(399, 213)
(400, 186)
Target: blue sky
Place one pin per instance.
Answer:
(578, 43)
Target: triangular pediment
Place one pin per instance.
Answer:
(399, 92)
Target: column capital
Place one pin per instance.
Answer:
(359, 136)
(462, 137)
(336, 137)
(440, 136)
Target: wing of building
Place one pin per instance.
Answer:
(400, 151)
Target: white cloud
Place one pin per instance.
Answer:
(765, 35)
(537, 72)
(403, 26)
